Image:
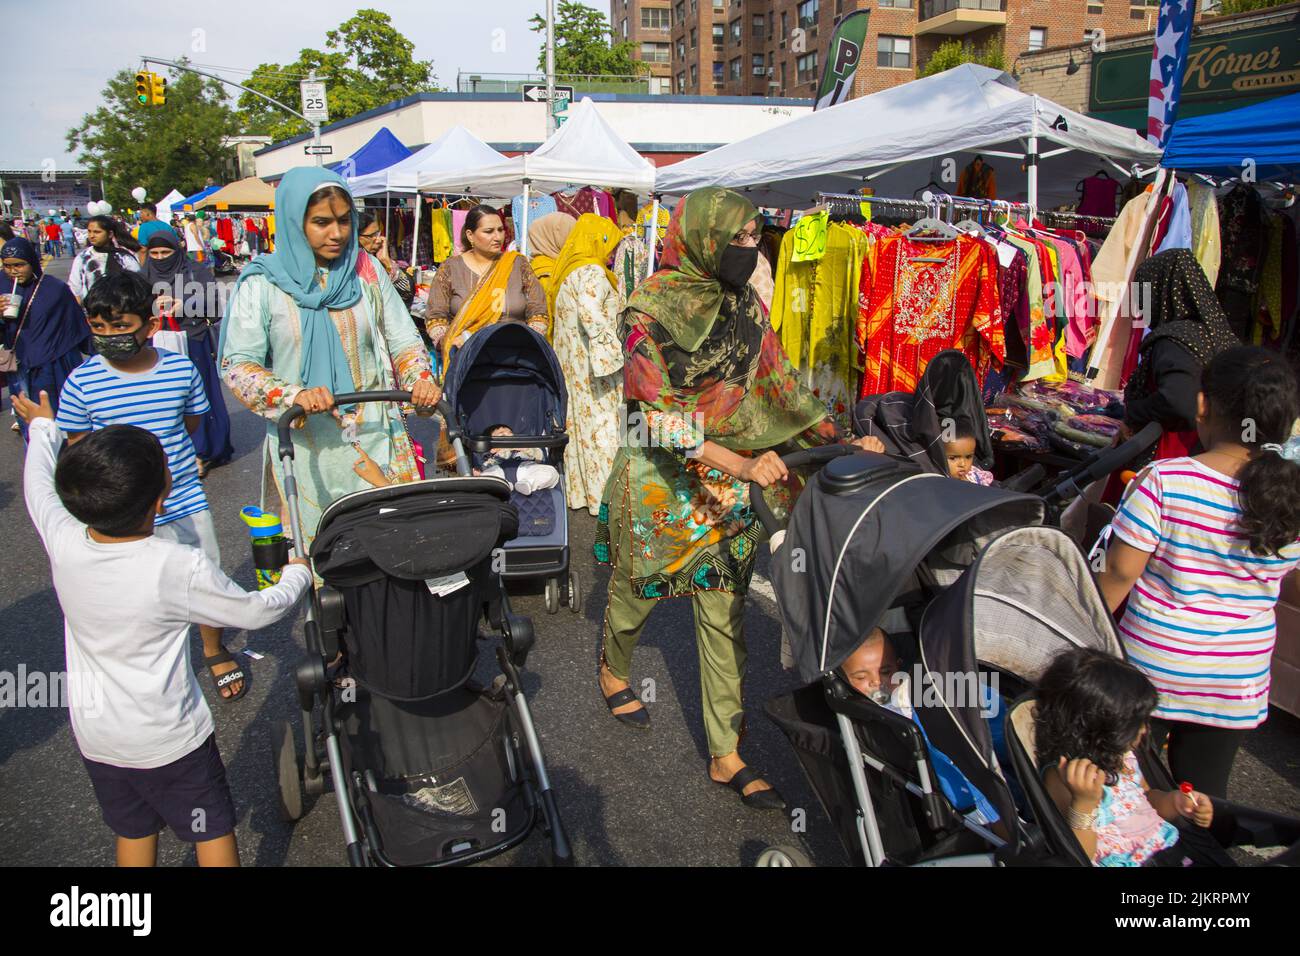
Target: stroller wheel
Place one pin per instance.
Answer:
(552, 595)
(575, 592)
(285, 753)
(783, 856)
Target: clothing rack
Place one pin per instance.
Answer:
(936, 203)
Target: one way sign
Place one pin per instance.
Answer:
(536, 93)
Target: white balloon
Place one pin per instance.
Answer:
(139, 193)
(92, 208)
(105, 209)
(54, 212)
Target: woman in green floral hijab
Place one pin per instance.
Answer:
(712, 402)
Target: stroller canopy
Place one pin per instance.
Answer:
(870, 533)
(507, 374)
(1027, 597)
(414, 531)
(912, 425)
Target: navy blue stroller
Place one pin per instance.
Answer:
(507, 374)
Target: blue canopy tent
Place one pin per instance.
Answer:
(1220, 144)
(187, 204)
(382, 150)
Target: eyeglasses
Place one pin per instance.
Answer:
(745, 239)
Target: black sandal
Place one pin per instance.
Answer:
(769, 799)
(229, 677)
(639, 719)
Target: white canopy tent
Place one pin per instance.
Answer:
(167, 202)
(903, 139)
(585, 151)
(449, 159)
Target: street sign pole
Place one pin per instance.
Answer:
(315, 110)
(550, 68)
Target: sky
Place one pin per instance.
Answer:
(70, 48)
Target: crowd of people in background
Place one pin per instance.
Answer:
(691, 349)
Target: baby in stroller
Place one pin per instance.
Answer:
(876, 671)
(1091, 717)
(521, 469)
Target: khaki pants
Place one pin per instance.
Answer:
(719, 617)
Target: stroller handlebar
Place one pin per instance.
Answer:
(799, 459)
(1072, 483)
(285, 423)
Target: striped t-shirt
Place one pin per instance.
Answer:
(1199, 620)
(96, 395)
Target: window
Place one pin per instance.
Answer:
(681, 49)
(681, 82)
(735, 68)
(735, 30)
(783, 26)
(719, 34)
(695, 35)
(806, 67)
(719, 4)
(1138, 9)
(896, 4)
(757, 66)
(654, 18)
(695, 76)
(808, 11)
(624, 28)
(655, 52)
(895, 52)
(681, 11)
(717, 71)
(783, 76)
(759, 27)
(1037, 38)
(1096, 7)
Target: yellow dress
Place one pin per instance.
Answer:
(815, 314)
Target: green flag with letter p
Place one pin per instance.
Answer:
(842, 58)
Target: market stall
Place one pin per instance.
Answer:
(172, 201)
(450, 158)
(380, 151)
(926, 131)
(585, 151)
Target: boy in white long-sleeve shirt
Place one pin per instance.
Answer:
(128, 599)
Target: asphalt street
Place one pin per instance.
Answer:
(627, 797)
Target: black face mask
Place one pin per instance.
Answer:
(737, 266)
(118, 347)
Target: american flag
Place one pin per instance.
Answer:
(1168, 62)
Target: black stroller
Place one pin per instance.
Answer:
(991, 595)
(429, 769)
(507, 374)
(911, 426)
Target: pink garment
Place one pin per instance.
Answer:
(458, 217)
(1077, 307)
(606, 204)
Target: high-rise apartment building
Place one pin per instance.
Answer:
(779, 47)
(646, 23)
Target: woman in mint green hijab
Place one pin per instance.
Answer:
(318, 318)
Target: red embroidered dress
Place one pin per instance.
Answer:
(910, 311)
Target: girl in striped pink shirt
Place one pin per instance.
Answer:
(1200, 548)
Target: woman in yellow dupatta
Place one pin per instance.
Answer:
(546, 238)
(585, 304)
(482, 285)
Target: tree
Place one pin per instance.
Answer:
(366, 62)
(954, 53)
(176, 146)
(1245, 6)
(583, 44)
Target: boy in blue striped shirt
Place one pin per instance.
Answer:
(129, 382)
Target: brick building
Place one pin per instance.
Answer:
(646, 23)
(1233, 61)
(778, 47)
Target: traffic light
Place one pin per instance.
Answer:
(158, 89)
(144, 87)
